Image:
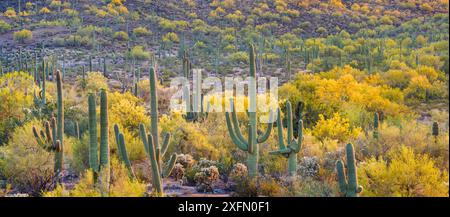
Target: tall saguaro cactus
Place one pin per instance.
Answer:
(250, 145)
(100, 166)
(291, 146)
(348, 185)
(151, 142)
(60, 117)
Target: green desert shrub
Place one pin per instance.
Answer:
(25, 165)
(141, 31)
(121, 36)
(138, 53)
(4, 26)
(121, 185)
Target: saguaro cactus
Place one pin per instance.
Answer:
(101, 166)
(52, 139)
(191, 115)
(122, 150)
(348, 186)
(40, 100)
(376, 125)
(250, 145)
(60, 118)
(151, 141)
(49, 142)
(291, 146)
(435, 131)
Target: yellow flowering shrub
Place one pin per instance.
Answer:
(335, 127)
(404, 174)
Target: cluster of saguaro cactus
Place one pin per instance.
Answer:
(291, 146)
(99, 166)
(151, 143)
(122, 150)
(250, 145)
(348, 185)
(191, 115)
(40, 99)
(376, 125)
(52, 139)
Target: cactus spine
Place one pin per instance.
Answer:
(291, 146)
(348, 185)
(122, 150)
(101, 166)
(151, 143)
(250, 145)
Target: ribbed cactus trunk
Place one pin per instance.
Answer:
(60, 122)
(154, 114)
(104, 144)
(348, 186)
(93, 147)
(122, 150)
(43, 95)
(253, 147)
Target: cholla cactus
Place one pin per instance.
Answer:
(186, 160)
(178, 172)
(239, 170)
(309, 167)
(206, 178)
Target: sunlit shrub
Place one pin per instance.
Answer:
(335, 128)
(16, 95)
(121, 36)
(27, 166)
(23, 35)
(404, 174)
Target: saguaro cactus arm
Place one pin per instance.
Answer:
(265, 136)
(154, 164)
(169, 166)
(165, 144)
(241, 144)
